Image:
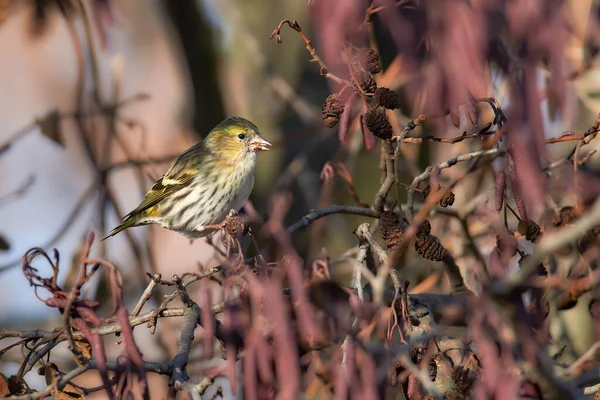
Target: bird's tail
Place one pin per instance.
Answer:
(128, 223)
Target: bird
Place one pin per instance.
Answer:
(204, 183)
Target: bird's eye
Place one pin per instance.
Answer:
(241, 136)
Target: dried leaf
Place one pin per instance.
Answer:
(50, 126)
(500, 188)
(52, 375)
(70, 392)
(85, 348)
(49, 371)
(4, 243)
(4, 390)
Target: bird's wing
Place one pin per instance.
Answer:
(179, 175)
(164, 187)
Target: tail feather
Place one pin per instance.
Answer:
(128, 223)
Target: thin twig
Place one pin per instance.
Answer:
(315, 58)
(363, 249)
(446, 164)
(389, 179)
(146, 295)
(314, 215)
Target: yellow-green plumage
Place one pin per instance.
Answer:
(204, 183)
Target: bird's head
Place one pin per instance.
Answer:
(236, 138)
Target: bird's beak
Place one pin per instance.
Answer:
(259, 144)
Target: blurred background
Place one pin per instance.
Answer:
(97, 97)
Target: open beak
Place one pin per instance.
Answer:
(259, 144)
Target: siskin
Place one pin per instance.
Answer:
(204, 183)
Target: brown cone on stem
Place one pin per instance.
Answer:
(332, 110)
(377, 122)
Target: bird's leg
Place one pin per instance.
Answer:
(205, 228)
(216, 227)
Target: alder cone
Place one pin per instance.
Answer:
(387, 98)
(332, 110)
(390, 228)
(426, 192)
(530, 230)
(430, 248)
(371, 61)
(446, 201)
(378, 124)
(424, 229)
(366, 82)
